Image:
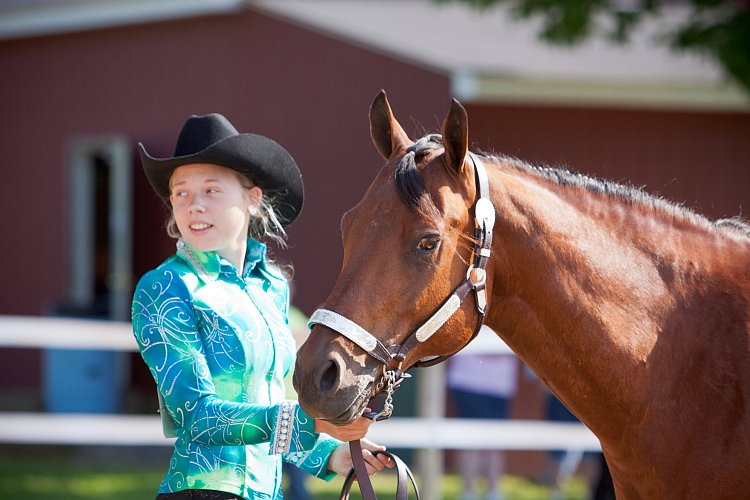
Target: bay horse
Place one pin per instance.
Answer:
(635, 312)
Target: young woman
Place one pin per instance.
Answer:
(211, 322)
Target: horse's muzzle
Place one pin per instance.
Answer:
(327, 388)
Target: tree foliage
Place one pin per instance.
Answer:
(719, 29)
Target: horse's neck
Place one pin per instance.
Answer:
(577, 291)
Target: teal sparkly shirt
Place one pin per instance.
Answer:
(218, 346)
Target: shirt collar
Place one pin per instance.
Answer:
(209, 265)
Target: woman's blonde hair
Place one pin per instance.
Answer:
(263, 224)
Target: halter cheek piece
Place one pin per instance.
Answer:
(392, 357)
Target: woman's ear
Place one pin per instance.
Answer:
(255, 196)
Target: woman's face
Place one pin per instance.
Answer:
(212, 209)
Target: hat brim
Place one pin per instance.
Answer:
(262, 160)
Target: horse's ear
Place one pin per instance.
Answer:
(456, 136)
(386, 132)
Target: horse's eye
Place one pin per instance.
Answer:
(428, 244)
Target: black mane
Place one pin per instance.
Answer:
(626, 193)
(412, 191)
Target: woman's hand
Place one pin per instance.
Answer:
(340, 460)
(349, 432)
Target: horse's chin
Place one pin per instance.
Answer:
(330, 409)
(355, 410)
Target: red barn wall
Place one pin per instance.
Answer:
(309, 92)
(698, 159)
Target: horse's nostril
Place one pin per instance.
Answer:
(329, 378)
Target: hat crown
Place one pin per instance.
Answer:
(200, 132)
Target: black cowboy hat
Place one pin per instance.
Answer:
(212, 139)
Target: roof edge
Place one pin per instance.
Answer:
(476, 88)
(53, 18)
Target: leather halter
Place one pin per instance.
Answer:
(392, 356)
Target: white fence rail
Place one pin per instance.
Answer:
(64, 333)
(46, 332)
(416, 433)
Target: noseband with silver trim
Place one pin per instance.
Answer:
(392, 357)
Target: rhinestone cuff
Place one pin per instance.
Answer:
(282, 435)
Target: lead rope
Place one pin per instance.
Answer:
(359, 472)
(359, 469)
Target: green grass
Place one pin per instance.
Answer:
(42, 479)
(66, 476)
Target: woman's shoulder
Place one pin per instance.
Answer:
(173, 272)
(276, 273)
(277, 278)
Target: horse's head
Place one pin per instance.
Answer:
(408, 244)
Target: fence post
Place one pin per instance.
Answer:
(431, 405)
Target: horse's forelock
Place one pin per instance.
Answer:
(409, 183)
